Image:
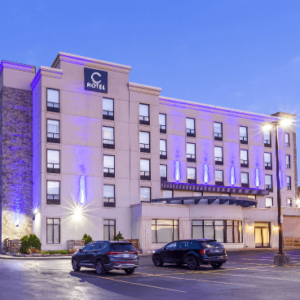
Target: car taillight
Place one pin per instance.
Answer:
(112, 253)
(135, 252)
(202, 251)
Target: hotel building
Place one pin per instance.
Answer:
(84, 150)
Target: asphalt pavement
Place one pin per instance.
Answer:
(245, 276)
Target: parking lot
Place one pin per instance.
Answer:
(246, 276)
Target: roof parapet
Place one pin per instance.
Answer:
(48, 72)
(144, 89)
(16, 66)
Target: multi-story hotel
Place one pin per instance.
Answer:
(83, 150)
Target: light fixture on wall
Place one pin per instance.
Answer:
(232, 176)
(82, 190)
(206, 177)
(177, 170)
(257, 177)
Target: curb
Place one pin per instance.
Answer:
(33, 258)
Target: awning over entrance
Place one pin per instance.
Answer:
(241, 201)
(211, 188)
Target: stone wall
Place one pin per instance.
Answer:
(16, 162)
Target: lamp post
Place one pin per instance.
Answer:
(280, 258)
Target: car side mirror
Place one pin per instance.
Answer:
(80, 250)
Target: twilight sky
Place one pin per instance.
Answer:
(242, 54)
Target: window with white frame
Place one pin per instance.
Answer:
(190, 127)
(109, 165)
(244, 158)
(218, 151)
(53, 230)
(163, 172)
(109, 195)
(288, 161)
(267, 138)
(269, 202)
(163, 149)
(268, 161)
(109, 228)
(53, 135)
(287, 139)
(53, 161)
(245, 179)
(269, 183)
(191, 152)
(219, 180)
(145, 169)
(163, 123)
(53, 192)
(289, 183)
(191, 175)
(53, 101)
(108, 109)
(145, 141)
(218, 131)
(108, 137)
(144, 114)
(243, 135)
(145, 193)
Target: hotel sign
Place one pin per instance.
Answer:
(95, 80)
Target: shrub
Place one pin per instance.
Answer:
(28, 241)
(119, 236)
(72, 251)
(87, 239)
(56, 252)
(32, 250)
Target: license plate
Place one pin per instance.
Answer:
(125, 255)
(215, 250)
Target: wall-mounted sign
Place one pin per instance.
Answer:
(95, 80)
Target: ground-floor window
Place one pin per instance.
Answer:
(53, 231)
(109, 230)
(224, 231)
(262, 234)
(164, 231)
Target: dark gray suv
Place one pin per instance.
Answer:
(105, 256)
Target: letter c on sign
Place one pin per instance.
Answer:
(92, 77)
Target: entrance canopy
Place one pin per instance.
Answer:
(241, 201)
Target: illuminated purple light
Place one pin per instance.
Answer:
(177, 170)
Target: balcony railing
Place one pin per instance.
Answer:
(145, 175)
(219, 160)
(244, 163)
(53, 168)
(163, 128)
(243, 139)
(144, 120)
(268, 166)
(108, 115)
(163, 154)
(109, 144)
(192, 180)
(191, 157)
(53, 137)
(190, 132)
(53, 199)
(162, 178)
(288, 166)
(144, 147)
(269, 187)
(221, 183)
(218, 136)
(53, 106)
(109, 172)
(109, 202)
(267, 143)
(245, 185)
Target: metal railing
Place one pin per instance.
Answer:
(218, 136)
(219, 160)
(244, 139)
(267, 143)
(109, 172)
(108, 114)
(145, 175)
(144, 120)
(53, 199)
(269, 187)
(163, 154)
(145, 147)
(244, 162)
(53, 168)
(163, 128)
(109, 202)
(288, 166)
(53, 106)
(190, 132)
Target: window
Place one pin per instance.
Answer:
(109, 166)
(163, 173)
(167, 193)
(191, 175)
(243, 135)
(190, 127)
(145, 194)
(218, 131)
(245, 179)
(288, 183)
(109, 230)
(108, 109)
(108, 137)
(267, 138)
(268, 183)
(191, 152)
(219, 177)
(163, 123)
(164, 231)
(289, 202)
(288, 161)
(109, 195)
(53, 231)
(53, 164)
(53, 131)
(269, 202)
(53, 101)
(144, 114)
(53, 192)
(163, 149)
(268, 161)
(218, 155)
(287, 139)
(145, 169)
(145, 141)
(224, 231)
(244, 159)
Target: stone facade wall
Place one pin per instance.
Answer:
(16, 162)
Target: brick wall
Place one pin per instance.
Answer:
(16, 162)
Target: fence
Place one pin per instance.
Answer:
(11, 245)
(291, 242)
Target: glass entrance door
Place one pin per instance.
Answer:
(262, 235)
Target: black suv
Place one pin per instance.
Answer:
(191, 252)
(105, 256)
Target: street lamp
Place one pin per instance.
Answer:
(281, 258)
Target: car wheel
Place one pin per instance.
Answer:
(75, 265)
(100, 268)
(157, 261)
(216, 265)
(129, 271)
(192, 262)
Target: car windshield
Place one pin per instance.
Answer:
(121, 247)
(211, 244)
